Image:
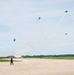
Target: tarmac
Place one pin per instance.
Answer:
(38, 67)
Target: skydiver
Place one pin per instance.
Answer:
(66, 11)
(65, 33)
(39, 18)
(14, 39)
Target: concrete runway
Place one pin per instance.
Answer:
(38, 67)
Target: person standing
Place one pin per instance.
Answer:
(11, 61)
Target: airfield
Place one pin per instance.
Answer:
(30, 66)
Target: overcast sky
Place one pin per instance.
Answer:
(19, 20)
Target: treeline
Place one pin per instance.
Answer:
(47, 56)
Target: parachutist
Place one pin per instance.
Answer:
(66, 11)
(14, 39)
(39, 18)
(65, 33)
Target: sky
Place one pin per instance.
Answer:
(44, 36)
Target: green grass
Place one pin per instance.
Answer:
(7, 60)
(4, 60)
(65, 58)
(56, 57)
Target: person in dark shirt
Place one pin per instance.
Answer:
(11, 61)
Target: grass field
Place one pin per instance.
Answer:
(8, 60)
(4, 60)
(65, 58)
(60, 58)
